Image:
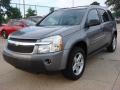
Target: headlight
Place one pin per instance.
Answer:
(50, 44)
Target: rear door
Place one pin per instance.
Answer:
(108, 24)
(95, 33)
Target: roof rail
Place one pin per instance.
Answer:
(75, 7)
(86, 6)
(81, 6)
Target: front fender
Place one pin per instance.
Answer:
(69, 42)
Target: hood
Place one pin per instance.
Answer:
(34, 32)
(42, 32)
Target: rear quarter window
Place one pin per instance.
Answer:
(104, 15)
(110, 15)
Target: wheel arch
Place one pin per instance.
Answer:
(3, 30)
(81, 44)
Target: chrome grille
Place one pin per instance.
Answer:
(17, 45)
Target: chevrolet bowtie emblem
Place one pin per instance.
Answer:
(17, 44)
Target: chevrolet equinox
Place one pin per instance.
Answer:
(62, 41)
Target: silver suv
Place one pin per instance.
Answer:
(62, 41)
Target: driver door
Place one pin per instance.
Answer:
(95, 34)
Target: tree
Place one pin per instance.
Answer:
(13, 13)
(6, 9)
(30, 12)
(95, 3)
(4, 5)
(115, 6)
(1, 16)
(114, 3)
(1, 19)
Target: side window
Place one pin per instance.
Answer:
(110, 15)
(104, 15)
(93, 15)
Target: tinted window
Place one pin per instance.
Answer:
(93, 15)
(110, 15)
(64, 17)
(104, 15)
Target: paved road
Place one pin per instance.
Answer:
(102, 73)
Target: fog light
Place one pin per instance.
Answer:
(48, 61)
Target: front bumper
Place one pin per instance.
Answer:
(35, 62)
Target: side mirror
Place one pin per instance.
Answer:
(93, 23)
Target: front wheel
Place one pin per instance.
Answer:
(76, 64)
(113, 45)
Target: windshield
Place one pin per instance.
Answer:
(64, 17)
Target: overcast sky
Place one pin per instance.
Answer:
(57, 3)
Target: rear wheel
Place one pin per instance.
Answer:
(4, 34)
(76, 64)
(113, 45)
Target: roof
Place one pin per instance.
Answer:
(88, 6)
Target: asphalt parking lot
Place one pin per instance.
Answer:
(102, 73)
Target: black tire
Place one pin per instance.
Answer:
(111, 47)
(4, 34)
(68, 72)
